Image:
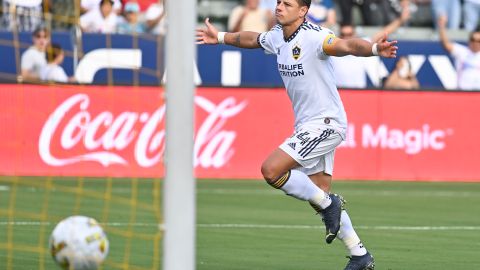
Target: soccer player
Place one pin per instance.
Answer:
(302, 166)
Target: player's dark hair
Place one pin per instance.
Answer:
(53, 51)
(305, 3)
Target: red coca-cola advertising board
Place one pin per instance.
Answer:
(119, 131)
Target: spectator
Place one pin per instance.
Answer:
(63, 13)
(250, 17)
(402, 76)
(449, 8)
(33, 59)
(322, 12)
(350, 71)
(53, 71)
(374, 12)
(156, 20)
(471, 10)
(467, 59)
(26, 16)
(89, 5)
(269, 4)
(102, 20)
(131, 24)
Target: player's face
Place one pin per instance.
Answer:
(475, 42)
(289, 12)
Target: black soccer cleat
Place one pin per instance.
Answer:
(365, 262)
(331, 216)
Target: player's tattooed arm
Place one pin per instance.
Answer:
(237, 40)
(340, 47)
(244, 39)
(359, 47)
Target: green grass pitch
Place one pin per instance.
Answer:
(248, 225)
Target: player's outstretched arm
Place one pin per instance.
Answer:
(361, 47)
(210, 35)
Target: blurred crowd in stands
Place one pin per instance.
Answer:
(93, 16)
(148, 16)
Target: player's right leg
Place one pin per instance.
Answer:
(279, 173)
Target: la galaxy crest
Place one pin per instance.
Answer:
(296, 51)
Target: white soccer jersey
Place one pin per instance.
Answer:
(307, 73)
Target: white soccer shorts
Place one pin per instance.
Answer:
(313, 147)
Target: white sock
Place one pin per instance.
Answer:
(349, 237)
(301, 187)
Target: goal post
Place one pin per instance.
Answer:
(179, 189)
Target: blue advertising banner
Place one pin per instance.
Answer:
(125, 59)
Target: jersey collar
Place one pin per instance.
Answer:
(292, 36)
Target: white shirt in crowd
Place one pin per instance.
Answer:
(307, 73)
(152, 13)
(467, 64)
(33, 60)
(94, 22)
(25, 3)
(53, 73)
(95, 4)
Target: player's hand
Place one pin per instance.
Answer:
(387, 49)
(208, 35)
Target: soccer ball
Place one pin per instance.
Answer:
(78, 243)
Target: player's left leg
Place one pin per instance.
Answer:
(360, 258)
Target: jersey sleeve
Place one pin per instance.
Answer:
(324, 37)
(269, 40)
